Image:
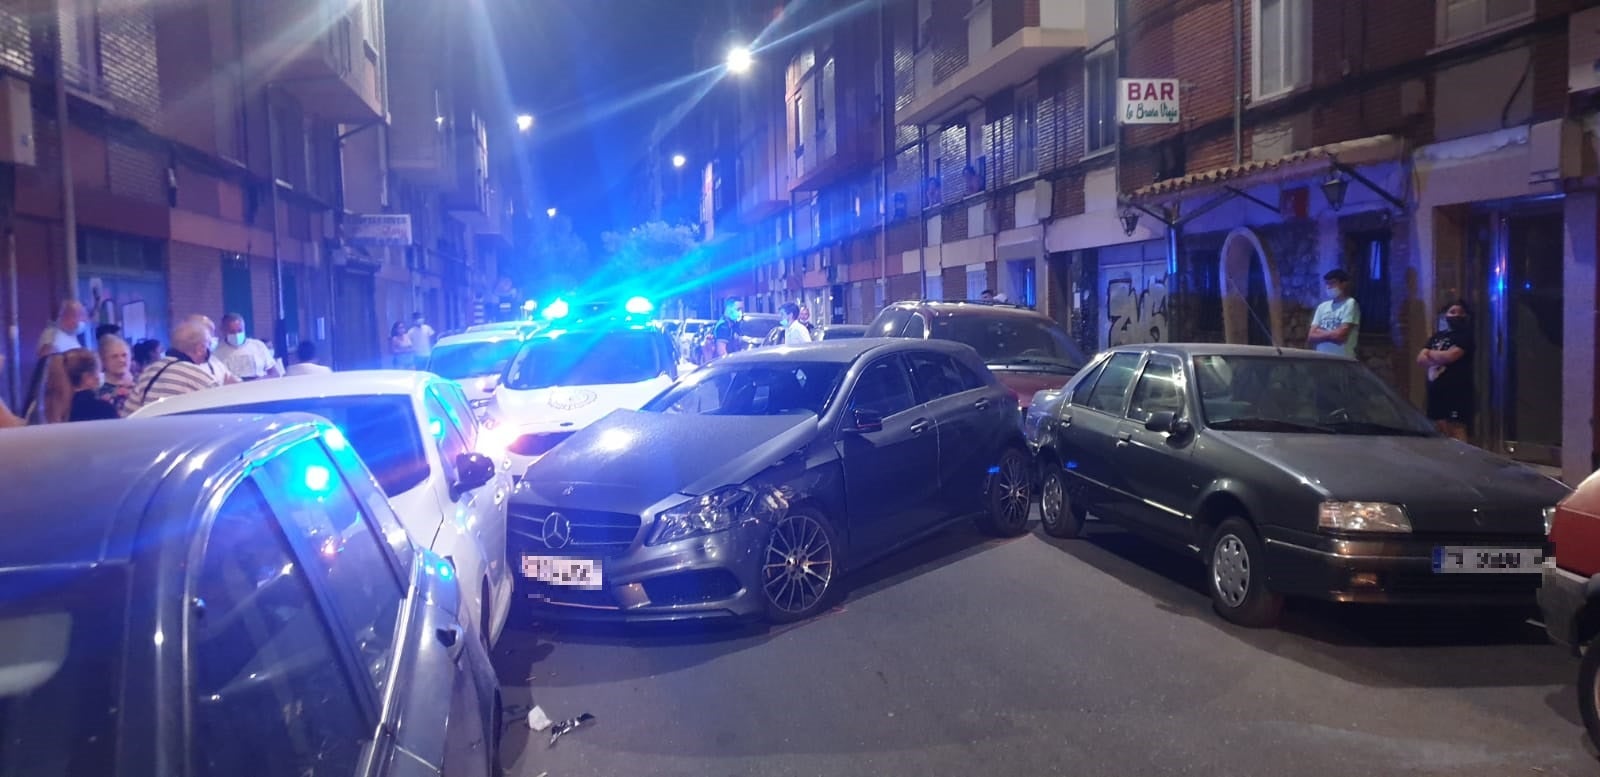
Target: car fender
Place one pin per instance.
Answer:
(471, 561)
(1239, 490)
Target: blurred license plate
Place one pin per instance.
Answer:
(572, 572)
(1448, 559)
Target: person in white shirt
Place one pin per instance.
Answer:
(62, 334)
(219, 372)
(421, 337)
(181, 371)
(794, 332)
(245, 356)
(1338, 319)
(305, 363)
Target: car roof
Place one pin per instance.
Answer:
(1184, 350)
(972, 307)
(91, 482)
(847, 351)
(331, 384)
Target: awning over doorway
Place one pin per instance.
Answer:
(1299, 164)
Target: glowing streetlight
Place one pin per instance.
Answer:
(551, 212)
(740, 60)
(679, 160)
(524, 122)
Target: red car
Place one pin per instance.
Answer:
(1570, 596)
(1028, 351)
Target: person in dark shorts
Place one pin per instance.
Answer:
(1447, 360)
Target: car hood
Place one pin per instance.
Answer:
(1027, 381)
(1427, 474)
(630, 460)
(566, 408)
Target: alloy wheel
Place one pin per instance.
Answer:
(1015, 495)
(1052, 499)
(798, 564)
(1230, 570)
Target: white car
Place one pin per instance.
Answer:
(562, 381)
(422, 443)
(476, 360)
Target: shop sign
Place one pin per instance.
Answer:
(378, 229)
(1147, 100)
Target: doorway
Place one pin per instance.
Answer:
(1514, 257)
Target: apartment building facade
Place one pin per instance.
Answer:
(222, 157)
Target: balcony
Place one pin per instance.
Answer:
(317, 51)
(1060, 27)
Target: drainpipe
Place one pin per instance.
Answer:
(280, 336)
(69, 204)
(886, 57)
(1238, 82)
(13, 281)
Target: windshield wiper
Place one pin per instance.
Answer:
(1267, 425)
(1369, 427)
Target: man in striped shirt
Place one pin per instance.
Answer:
(182, 371)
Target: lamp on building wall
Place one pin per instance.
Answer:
(1335, 188)
(1130, 221)
(679, 160)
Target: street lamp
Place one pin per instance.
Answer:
(524, 122)
(551, 212)
(1130, 221)
(740, 60)
(679, 160)
(1335, 188)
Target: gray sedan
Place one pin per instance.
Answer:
(1288, 472)
(232, 597)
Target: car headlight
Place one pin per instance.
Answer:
(1363, 517)
(719, 510)
(1549, 520)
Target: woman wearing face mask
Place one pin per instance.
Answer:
(1448, 361)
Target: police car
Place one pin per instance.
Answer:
(570, 376)
(477, 360)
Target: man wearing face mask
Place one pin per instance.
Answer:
(219, 372)
(1448, 360)
(1338, 319)
(64, 333)
(727, 336)
(246, 357)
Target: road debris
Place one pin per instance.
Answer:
(568, 725)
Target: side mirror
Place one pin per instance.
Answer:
(1169, 422)
(867, 421)
(473, 470)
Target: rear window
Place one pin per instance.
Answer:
(381, 428)
(1013, 340)
(458, 361)
(60, 671)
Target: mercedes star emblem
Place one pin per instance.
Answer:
(557, 531)
(567, 491)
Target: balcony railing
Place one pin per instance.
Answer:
(316, 51)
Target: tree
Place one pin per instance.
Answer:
(659, 260)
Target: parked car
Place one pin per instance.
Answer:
(1028, 350)
(563, 380)
(477, 361)
(1570, 596)
(419, 437)
(232, 596)
(1290, 473)
(746, 488)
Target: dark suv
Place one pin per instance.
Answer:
(1027, 350)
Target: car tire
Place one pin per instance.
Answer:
(798, 566)
(1589, 690)
(1236, 579)
(1009, 501)
(1058, 516)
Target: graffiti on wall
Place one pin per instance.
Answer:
(1136, 306)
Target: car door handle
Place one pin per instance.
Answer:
(1124, 438)
(921, 425)
(450, 637)
(983, 404)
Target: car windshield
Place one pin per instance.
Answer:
(382, 429)
(753, 388)
(1013, 340)
(458, 361)
(1286, 394)
(61, 670)
(584, 358)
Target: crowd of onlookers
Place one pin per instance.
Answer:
(74, 381)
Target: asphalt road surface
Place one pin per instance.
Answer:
(1032, 656)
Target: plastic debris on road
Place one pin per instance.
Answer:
(537, 720)
(568, 725)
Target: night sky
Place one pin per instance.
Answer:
(590, 71)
